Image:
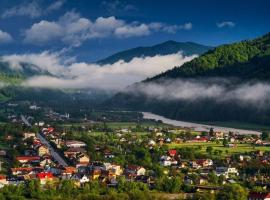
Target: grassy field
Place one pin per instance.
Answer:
(120, 125)
(240, 148)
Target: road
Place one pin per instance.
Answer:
(54, 154)
(25, 120)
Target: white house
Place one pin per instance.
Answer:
(226, 171)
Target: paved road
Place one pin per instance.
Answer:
(25, 120)
(54, 154)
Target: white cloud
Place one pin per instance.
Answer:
(43, 32)
(83, 75)
(32, 9)
(226, 24)
(5, 37)
(130, 31)
(73, 29)
(56, 5)
(220, 90)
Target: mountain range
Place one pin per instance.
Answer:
(242, 65)
(165, 48)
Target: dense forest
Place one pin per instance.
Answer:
(246, 59)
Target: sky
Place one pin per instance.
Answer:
(91, 30)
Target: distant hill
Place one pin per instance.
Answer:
(244, 62)
(169, 47)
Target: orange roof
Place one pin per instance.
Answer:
(2, 177)
(70, 169)
(24, 169)
(29, 158)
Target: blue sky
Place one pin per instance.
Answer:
(90, 30)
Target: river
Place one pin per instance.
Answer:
(197, 126)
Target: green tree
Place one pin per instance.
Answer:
(232, 192)
(265, 135)
(209, 150)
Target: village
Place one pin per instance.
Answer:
(151, 154)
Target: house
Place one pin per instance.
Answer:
(42, 150)
(188, 180)
(123, 140)
(144, 179)
(69, 170)
(73, 151)
(28, 135)
(75, 144)
(25, 170)
(3, 181)
(134, 170)
(82, 160)
(226, 171)
(151, 143)
(199, 139)
(116, 170)
(202, 181)
(167, 161)
(15, 180)
(95, 173)
(204, 162)
(168, 140)
(46, 161)
(160, 141)
(80, 178)
(25, 159)
(172, 152)
(259, 196)
(219, 135)
(108, 154)
(45, 177)
(195, 165)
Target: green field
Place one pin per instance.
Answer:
(240, 148)
(120, 125)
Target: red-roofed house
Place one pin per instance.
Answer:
(3, 181)
(50, 129)
(44, 177)
(259, 196)
(25, 159)
(172, 152)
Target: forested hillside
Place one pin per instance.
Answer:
(246, 59)
(240, 65)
